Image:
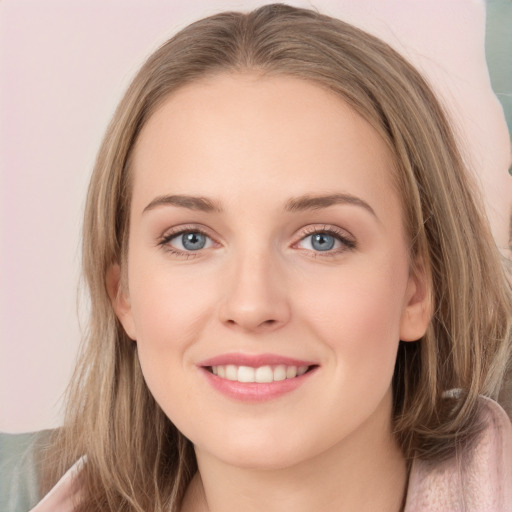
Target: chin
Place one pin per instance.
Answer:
(263, 453)
(263, 460)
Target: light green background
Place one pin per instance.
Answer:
(498, 49)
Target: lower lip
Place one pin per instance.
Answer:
(255, 391)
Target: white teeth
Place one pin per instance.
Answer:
(231, 372)
(301, 370)
(245, 374)
(264, 374)
(280, 372)
(291, 372)
(261, 374)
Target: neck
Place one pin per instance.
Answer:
(365, 472)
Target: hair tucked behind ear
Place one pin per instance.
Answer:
(137, 460)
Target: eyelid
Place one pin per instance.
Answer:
(347, 240)
(174, 232)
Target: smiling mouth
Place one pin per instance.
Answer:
(261, 374)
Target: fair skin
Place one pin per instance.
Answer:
(261, 273)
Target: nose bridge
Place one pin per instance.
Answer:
(256, 296)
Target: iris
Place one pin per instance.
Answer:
(193, 241)
(322, 242)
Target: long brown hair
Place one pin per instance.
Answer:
(136, 458)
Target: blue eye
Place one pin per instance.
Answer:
(322, 241)
(186, 242)
(327, 241)
(193, 241)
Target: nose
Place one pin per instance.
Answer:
(256, 295)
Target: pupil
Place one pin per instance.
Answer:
(322, 242)
(193, 241)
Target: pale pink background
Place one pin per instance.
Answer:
(63, 67)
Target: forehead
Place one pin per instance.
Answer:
(234, 132)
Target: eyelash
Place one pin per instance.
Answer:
(164, 242)
(348, 244)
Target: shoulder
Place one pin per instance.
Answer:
(19, 482)
(20, 476)
(64, 496)
(478, 477)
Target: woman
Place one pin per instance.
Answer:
(295, 298)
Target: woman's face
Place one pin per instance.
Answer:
(266, 240)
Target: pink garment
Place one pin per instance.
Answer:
(477, 479)
(64, 494)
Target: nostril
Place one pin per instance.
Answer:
(268, 323)
(265, 322)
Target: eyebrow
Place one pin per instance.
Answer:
(202, 204)
(295, 204)
(310, 202)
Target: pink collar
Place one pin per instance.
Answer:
(477, 479)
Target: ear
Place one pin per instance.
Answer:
(119, 297)
(417, 311)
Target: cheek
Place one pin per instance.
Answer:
(170, 314)
(358, 315)
(168, 309)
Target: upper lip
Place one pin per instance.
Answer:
(254, 360)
